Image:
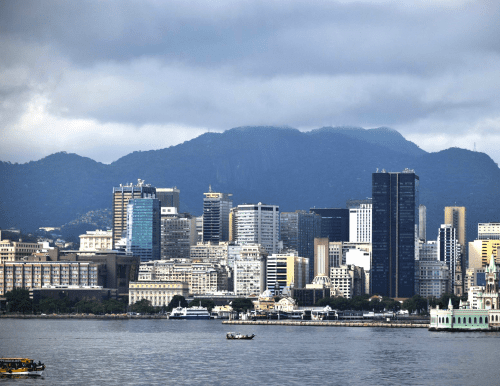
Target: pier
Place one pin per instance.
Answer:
(331, 323)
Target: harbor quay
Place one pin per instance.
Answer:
(332, 323)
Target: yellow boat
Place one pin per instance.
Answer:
(20, 366)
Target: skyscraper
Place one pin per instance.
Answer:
(422, 223)
(448, 250)
(121, 197)
(334, 223)
(394, 231)
(258, 224)
(216, 208)
(143, 228)
(298, 230)
(360, 221)
(169, 197)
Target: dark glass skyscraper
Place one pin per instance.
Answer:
(334, 223)
(216, 208)
(394, 233)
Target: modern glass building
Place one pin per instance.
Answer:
(216, 208)
(334, 223)
(143, 228)
(298, 231)
(394, 233)
(169, 197)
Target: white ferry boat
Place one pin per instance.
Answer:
(189, 313)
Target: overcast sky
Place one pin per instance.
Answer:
(105, 78)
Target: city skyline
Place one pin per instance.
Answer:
(105, 79)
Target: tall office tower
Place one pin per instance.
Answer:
(258, 224)
(360, 221)
(422, 222)
(216, 208)
(394, 230)
(178, 234)
(448, 249)
(298, 230)
(432, 275)
(143, 228)
(169, 197)
(334, 223)
(121, 197)
(488, 231)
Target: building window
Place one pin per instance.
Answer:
(480, 320)
(475, 320)
(447, 320)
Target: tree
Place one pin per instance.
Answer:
(242, 304)
(176, 301)
(143, 306)
(207, 303)
(415, 303)
(18, 300)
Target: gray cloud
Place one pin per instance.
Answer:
(420, 67)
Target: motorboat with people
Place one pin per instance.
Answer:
(20, 366)
(238, 336)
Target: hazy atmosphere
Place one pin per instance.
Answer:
(103, 78)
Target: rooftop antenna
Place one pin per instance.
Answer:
(474, 146)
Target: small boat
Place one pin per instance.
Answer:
(237, 335)
(20, 366)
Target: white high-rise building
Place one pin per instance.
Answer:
(360, 221)
(449, 249)
(258, 224)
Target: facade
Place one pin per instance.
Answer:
(334, 223)
(216, 208)
(169, 197)
(17, 250)
(361, 256)
(32, 274)
(488, 231)
(298, 230)
(121, 196)
(210, 252)
(97, 240)
(480, 252)
(158, 293)
(474, 277)
(394, 232)
(249, 276)
(349, 280)
(286, 270)
(178, 234)
(360, 221)
(258, 224)
(143, 228)
(432, 277)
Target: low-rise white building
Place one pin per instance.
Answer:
(158, 293)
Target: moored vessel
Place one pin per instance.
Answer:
(20, 366)
(189, 313)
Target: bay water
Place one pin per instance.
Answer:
(177, 352)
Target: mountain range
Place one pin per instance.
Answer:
(284, 166)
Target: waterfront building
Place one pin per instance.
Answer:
(258, 224)
(97, 240)
(216, 207)
(158, 293)
(202, 277)
(360, 221)
(169, 197)
(334, 223)
(298, 230)
(488, 231)
(38, 274)
(178, 234)
(349, 280)
(121, 196)
(143, 228)
(394, 232)
(286, 270)
(17, 250)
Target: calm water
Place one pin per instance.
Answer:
(163, 352)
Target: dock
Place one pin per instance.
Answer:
(330, 323)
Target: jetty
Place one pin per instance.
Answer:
(332, 323)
